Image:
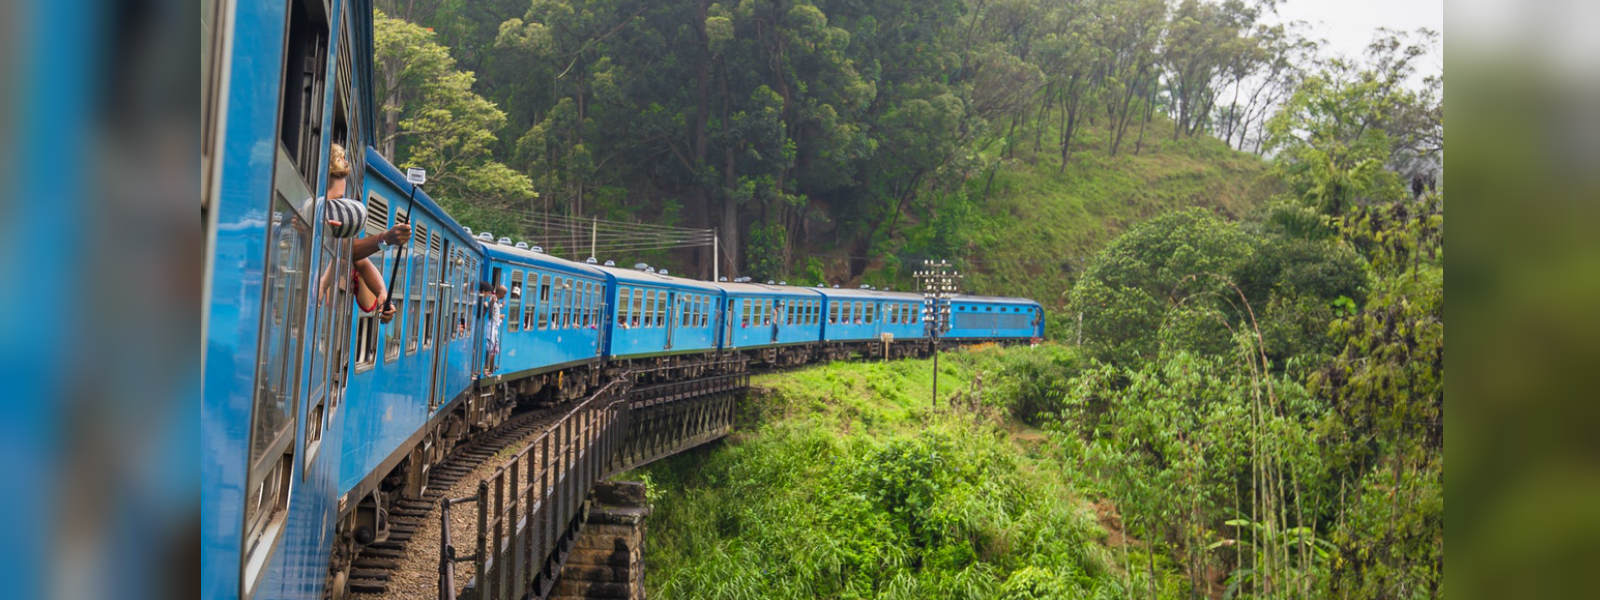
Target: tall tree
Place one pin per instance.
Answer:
(431, 118)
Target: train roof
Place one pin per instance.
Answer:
(538, 259)
(994, 299)
(765, 289)
(637, 276)
(866, 293)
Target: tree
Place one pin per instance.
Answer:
(1351, 134)
(1174, 265)
(431, 118)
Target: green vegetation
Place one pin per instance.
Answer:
(839, 141)
(844, 482)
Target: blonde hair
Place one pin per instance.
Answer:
(338, 165)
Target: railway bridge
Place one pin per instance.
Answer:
(530, 514)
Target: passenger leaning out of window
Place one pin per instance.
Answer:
(492, 298)
(370, 289)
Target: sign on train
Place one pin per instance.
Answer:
(416, 176)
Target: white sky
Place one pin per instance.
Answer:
(1348, 25)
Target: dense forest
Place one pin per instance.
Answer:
(1239, 238)
(839, 141)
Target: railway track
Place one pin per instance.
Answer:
(375, 570)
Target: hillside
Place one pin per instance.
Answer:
(1040, 225)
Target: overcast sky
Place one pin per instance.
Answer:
(1348, 25)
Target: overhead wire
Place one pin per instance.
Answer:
(593, 235)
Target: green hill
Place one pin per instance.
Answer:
(1038, 225)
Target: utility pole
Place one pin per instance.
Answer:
(716, 259)
(938, 283)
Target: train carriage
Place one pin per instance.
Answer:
(657, 315)
(872, 321)
(988, 318)
(552, 319)
(774, 324)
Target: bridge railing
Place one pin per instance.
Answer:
(532, 507)
(529, 508)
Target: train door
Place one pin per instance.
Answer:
(776, 314)
(603, 324)
(727, 320)
(438, 250)
(672, 317)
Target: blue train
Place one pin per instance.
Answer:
(317, 417)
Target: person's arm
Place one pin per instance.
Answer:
(398, 235)
(374, 281)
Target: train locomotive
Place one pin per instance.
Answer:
(317, 417)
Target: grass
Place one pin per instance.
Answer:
(1039, 224)
(842, 481)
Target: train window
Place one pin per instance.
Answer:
(872, 312)
(274, 413)
(554, 296)
(514, 303)
(653, 308)
(377, 223)
(458, 319)
(436, 280)
(333, 263)
(538, 287)
(833, 313)
(341, 332)
(415, 272)
(563, 296)
(636, 313)
(367, 325)
(536, 302)
(367, 337)
(661, 308)
(305, 74)
(584, 316)
(546, 315)
(622, 306)
(573, 291)
(566, 291)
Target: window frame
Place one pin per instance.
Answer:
(514, 304)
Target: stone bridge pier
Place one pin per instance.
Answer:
(607, 559)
